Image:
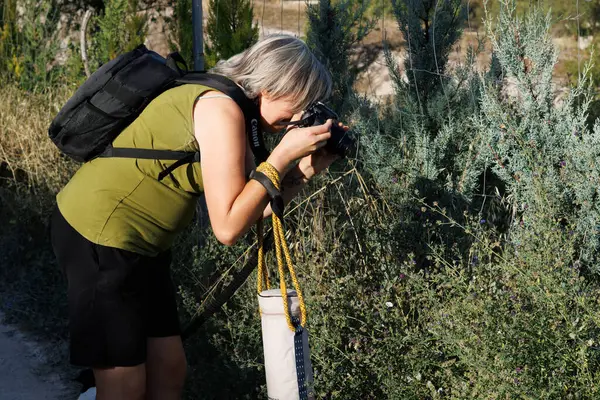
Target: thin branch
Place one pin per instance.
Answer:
(84, 57)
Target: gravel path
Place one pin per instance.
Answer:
(21, 366)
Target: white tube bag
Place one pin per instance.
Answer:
(283, 316)
(287, 357)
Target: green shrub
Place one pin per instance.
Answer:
(181, 25)
(230, 29)
(28, 44)
(120, 28)
(430, 28)
(539, 146)
(333, 30)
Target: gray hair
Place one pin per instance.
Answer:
(282, 66)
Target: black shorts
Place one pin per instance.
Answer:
(117, 299)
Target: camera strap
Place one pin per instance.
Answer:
(300, 123)
(248, 106)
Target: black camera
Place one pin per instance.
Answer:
(341, 142)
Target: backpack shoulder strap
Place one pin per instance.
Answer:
(249, 108)
(151, 154)
(181, 157)
(222, 84)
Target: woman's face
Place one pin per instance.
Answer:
(275, 112)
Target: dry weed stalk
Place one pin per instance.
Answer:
(27, 156)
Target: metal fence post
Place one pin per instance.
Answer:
(198, 45)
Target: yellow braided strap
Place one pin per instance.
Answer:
(281, 250)
(263, 276)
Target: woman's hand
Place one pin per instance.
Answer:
(313, 164)
(299, 143)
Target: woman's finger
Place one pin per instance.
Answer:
(344, 127)
(323, 137)
(319, 129)
(320, 145)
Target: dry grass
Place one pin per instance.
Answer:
(26, 153)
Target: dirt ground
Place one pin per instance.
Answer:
(24, 372)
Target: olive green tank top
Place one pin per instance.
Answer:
(119, 202)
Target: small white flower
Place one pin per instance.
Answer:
(389, 304)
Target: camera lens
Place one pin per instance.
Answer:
(340, 142)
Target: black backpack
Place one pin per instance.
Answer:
(113, 96)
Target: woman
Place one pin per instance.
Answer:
(115, 222)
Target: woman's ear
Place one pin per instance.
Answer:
(259, 97)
